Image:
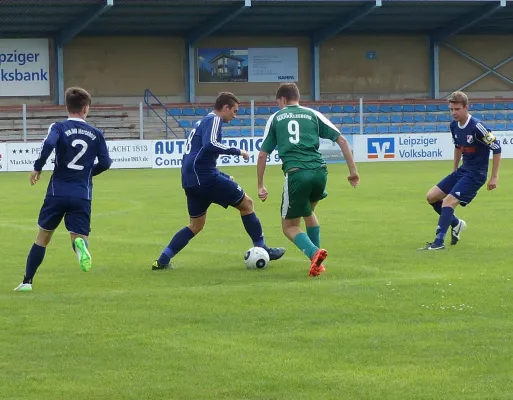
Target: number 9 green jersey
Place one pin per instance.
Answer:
(296, 131)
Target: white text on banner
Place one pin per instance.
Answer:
(169, 153)
(403, 147)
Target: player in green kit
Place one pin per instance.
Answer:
(296, 131)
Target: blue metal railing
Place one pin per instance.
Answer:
(150, 107)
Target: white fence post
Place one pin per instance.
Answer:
(361, 115)
(24, 122)
(252, 118)
(141, 121)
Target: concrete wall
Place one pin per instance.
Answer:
(119, 69)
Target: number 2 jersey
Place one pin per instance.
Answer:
(475, 142)
(296, 131)
(77, 145)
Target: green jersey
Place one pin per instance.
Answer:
(296, 131)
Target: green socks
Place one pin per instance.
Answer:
(303, 243)
(314, 233)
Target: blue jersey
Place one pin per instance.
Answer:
(77, 145)
(203, 147)
(475, 142)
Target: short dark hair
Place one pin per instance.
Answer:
(226, 98)
(288, 90)
(76, 99)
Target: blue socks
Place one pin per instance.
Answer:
(34, 260)
(183, 236)
(446, 216)
(438, 208)
(254, 229)
(179, 241)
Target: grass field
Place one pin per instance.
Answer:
(384, 321)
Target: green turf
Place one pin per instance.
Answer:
(384, 321)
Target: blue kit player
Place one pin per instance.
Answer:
(77, 145)
(204, 184)
(473, 141)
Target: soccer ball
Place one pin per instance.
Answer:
(256, 258)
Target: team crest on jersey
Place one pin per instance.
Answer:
(470, 139)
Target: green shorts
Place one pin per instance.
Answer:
(303, 187)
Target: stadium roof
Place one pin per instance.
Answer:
(193, 19)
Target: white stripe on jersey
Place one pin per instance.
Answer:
(268, 124)
(213, 134)
(41, 149)
(487, 136)
(482, 128)
(46, 137)
(325, 120)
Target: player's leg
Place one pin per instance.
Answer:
(446, 216)
(319, 180)
(80, 245)
(197, 205)
(297, 190)
(463, 192)
(313, 228)
(438, 192)
(78, 224)
(250, 221)
(50, 216)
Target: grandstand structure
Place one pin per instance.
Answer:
(402, 57)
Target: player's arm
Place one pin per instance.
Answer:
(354, 177)
(209, 139)
(457, 157)
(457, 151)
(329, 131)
(49, 143)
(268, 146)
(486, 136)
(104, 160)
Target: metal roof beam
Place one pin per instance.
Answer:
(338, 26)
(78, 25)
(468, 20)
(218, 22)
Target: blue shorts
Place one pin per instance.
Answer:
(463, 185)
(75, 211)
(222, 191)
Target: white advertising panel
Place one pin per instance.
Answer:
(169, 153)
(21, 156)
(273, 64)
(130, 153)
(24, 67)
(403, 147)
(506, 140)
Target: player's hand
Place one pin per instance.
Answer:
(244, 154)
(354, 179)
(262, 193)
(492, 183)
(34, 177)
